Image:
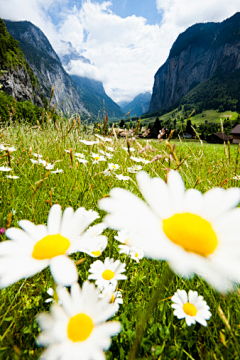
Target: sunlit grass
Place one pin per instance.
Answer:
(202, 166)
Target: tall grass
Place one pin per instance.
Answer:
(30, 197)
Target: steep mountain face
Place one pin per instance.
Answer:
(197, 55)
(94, 97)
(139, 105)
(16, 77)
(46, 66)
(91, 91)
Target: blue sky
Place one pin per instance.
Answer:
(125, 40)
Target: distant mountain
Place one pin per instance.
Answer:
(91, 91)
(46, 66)
(201, 63)
(139, 105)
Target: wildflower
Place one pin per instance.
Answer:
(78, 329)
(80, 155)
(195, 233)
(134, 169)
(57, 171)
(122, 177)
(104, 139)
(86, 142)
(237, 177)
(191, 307)
(37, 246)
(12, 177)
(139, 159)
(83, 161)
(107, 273)
(2, 230)
(112, 166)
(108, 155)
(7, 148)
(98, 158)
(37, 155)
(5, 168)
(92, 242)
(114, 296)
(125, 236)
(110, 148)
(49, 166)
(131, 149)
(50, 292)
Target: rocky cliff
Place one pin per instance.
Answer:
(16, 77)
(46, 66)
(197, 54)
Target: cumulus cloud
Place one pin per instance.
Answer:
(126, 52)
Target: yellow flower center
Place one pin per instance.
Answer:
(189, 309)
(108, 274)
(97, 158)
(79, 327)
(136, 254)
(96, 253)
(192, 233)
(50, 246)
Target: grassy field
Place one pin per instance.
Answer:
(212, 116)
(30, 196)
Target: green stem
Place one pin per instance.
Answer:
(158, 295)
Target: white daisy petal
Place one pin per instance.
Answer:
(63, 270)
(54, 219)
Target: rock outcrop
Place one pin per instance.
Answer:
(46, 66)
(195, 56)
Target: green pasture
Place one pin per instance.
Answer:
(162, 335)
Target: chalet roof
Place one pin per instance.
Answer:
(223, 136)
(236, 130)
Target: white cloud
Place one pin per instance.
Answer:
(126, 52)
(77, 67)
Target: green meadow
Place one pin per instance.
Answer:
(149, 328)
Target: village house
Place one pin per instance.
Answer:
(219, 138)
(236, 134)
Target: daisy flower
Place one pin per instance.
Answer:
(37, 246)
(5, 168)
(38, 155)
(139, 159)
(87, 142)
(80, 155)
(131, 149)
(190, 306)
(122, 177)
(92, 242)
(12, 176)
(82, 161)
(98, 158)
(57, 171)
(114, 296)
(134, 169)
(7, 148)
(237, 177)
(112, 166)
(102, 138)
(107, 273)
(110, 148)
(78, 329)
(135, 253)
(49, 166)
(196, 233)
(108, 155)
